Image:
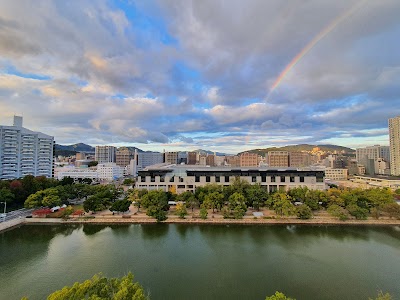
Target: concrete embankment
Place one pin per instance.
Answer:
(283, 221)
(11, 224)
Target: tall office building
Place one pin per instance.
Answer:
(247, 159)
(123, 157)
(105, 154)
(24, 152)
(394, 137)
(279, 159)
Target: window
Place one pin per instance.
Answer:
(190, 186)
(217, 179)
(171, 179)
(320, 179)
(181, 186)
(273, 179)
(142, 178)
(226, 178)
(283, 178)
(197, 178)
(162, 179)
(263, 178)
(153, 179)
(180, 179)
(291, 178)
(207, 178)
(253, 178)
(301, 178)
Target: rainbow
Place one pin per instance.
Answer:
(313, 42)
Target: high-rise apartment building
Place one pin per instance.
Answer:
(368, 155)
(24, 152)
(105, 154)
(394, 138)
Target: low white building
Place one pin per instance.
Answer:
(76, 173)
(109, 171)
(181, 178)
(106, 172)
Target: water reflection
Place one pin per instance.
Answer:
(90, 229)
(154, 231)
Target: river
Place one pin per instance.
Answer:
(205, 261)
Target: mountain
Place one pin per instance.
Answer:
(304, 147)
(209, 152)
(80, 147)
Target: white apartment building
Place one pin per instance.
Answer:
(394, 138)
(24, 152)
(181, 178)
(105, 154)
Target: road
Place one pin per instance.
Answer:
(20, 213)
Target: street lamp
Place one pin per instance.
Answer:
(5, 206)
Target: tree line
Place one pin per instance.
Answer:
(234, 200)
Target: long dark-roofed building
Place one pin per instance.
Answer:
(181, 178)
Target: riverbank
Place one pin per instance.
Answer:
(221, 221)
(320, 218)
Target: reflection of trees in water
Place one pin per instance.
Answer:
(90, 229)
(154, 231)
(120, 229)
(29, 242)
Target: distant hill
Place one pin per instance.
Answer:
(304, 147)
(209, 152)
(80, 147)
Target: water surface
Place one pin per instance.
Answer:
(206, 261)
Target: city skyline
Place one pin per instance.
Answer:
(218, 75)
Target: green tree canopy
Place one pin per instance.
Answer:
(278, 296)
(102, 288)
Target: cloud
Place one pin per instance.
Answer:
(199, 73)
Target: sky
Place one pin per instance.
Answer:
(224, 76)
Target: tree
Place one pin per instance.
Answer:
(6, 196)
(280, 202)
(100, 287)
(67, 180)
(256, 195)
(303, 212)
(93, 163)
(156, 203)
(189, 199)
(338, 212)
(203, 212)
(382, 296)
(48, 197)
(214, 200)
(237, 205)
(358, 212)
(181, 210)
(278, 296)
(393, 210)
(128, 181)
(121, 206)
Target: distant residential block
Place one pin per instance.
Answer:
(24, 152)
